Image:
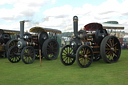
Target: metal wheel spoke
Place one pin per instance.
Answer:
(64, 58)
(48, 46)
(84, 50)
(26, 54)
(88, 59)
(108, 52)
(115, 54)
(54, 44)
(107, 49)
(108, 56)
(70, 50)
(115, 44)
(31, 55)
(81, 61)
(18, 57)
(87, 51)
(108, 45)
(81, 53)
(112, 42)
(67, 60)
(89, 55)
(111, 56)
(80, 58)
(64, 53)
(66, 50)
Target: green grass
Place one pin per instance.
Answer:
(55, 73)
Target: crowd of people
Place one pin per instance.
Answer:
(124, 46)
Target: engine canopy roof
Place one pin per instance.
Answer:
(41, 29)
(93, 27)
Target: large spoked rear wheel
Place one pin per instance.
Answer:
(13, 55)
(67, 56)
(50, 49)
(84, 56)
(10, 43)
(28, 55)
(110, 49)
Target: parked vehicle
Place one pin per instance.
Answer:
(33, 44)
(7, 39)
(90, 44)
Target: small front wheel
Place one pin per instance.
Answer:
(13, 55)
(67, 56)
(28, 55)
(84, 56)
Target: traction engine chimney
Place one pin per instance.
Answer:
(21, 29)
(75, 25)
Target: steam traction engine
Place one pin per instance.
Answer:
(90, 44)
(34, 45)
(7, 39)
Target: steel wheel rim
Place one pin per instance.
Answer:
(28, 55)
(84, 56)
(112, 49)
(13, 43)
(13, 55)
(65, 55)
(52, 49)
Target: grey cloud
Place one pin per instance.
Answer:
(61, 16)
(39, 4)
(101, 18)
(9, 18)
(46, 18)
(106, 12)
(125, 14)
(29, 12)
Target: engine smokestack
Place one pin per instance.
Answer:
(75, 25)
(21, 29)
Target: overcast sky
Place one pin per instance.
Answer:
(58, 14)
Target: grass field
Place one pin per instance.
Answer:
(55, 73)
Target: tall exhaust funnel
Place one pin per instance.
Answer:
(75, 25)
(21, 29)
